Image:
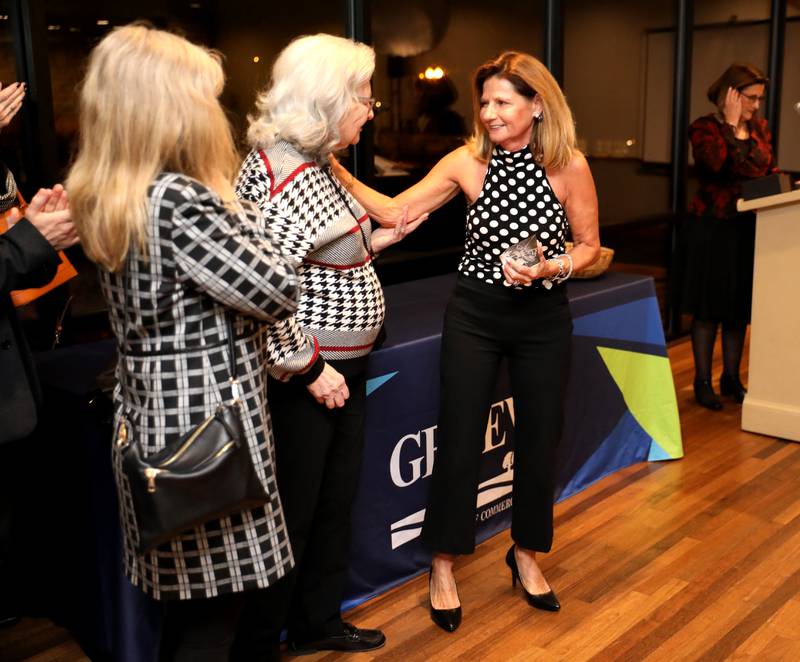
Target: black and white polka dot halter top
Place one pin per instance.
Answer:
(516, 201)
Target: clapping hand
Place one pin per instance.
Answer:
(732, 107)
(49, 213)
(10, 102)
(384, 237)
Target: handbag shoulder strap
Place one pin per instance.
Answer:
(346, 202)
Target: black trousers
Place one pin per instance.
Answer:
(484, 324)
(226, 627)
(318, 463)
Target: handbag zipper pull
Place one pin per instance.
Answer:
(236, 390)
(122, 435)
(150, 473)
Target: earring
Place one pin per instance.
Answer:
(538, 117)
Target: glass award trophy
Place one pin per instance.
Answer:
(523, 252)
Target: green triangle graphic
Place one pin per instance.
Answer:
(646, 384)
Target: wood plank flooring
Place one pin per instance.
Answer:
(697, 559)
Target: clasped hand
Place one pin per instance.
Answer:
(384, 237)
(516, 273)
(330, 388)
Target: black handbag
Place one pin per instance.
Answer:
(205, 474)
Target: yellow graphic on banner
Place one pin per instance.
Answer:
(645, 382)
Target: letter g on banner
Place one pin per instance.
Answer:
(428, 435)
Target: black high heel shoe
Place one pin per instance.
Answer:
(732, 386)
(705, 396)
(547, 601)
(447, 619)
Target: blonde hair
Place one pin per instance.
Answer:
(148, 104)
(553, 135)
(314, 83)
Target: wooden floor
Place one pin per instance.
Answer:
(697, 559)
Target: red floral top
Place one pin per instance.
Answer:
(723, 162)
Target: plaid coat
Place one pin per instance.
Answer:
(203, 260)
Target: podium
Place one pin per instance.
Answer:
(772, 404)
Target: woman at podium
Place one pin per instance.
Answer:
(729, 146)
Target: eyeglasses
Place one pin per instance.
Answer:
(752, 98)
(369, 102)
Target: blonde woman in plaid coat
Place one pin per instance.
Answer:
(151, 191)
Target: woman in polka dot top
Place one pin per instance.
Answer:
(523, 177)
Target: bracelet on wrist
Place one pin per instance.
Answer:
(562, 274)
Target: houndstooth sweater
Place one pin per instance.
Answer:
(341, 307)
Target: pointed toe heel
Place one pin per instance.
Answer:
(447, 619)
(544, 601)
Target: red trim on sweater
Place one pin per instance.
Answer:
(338, 267)
(285, 375)
(351, 348)
(361, 220)
(274, 190)
(314, 355)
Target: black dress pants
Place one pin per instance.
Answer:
(222, 628)
(531, 327)
(318, 463)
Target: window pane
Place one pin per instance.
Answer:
(618, 81)
(10, 135)
(249, 35)
(607, 82)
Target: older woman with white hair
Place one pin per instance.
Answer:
(319, 100)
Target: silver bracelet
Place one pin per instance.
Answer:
(547, 283)
(560, 277)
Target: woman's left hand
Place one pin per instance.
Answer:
(517, 273)
(382, 238)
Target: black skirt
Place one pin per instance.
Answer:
(717, 267)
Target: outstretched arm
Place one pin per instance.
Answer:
(441, 184)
